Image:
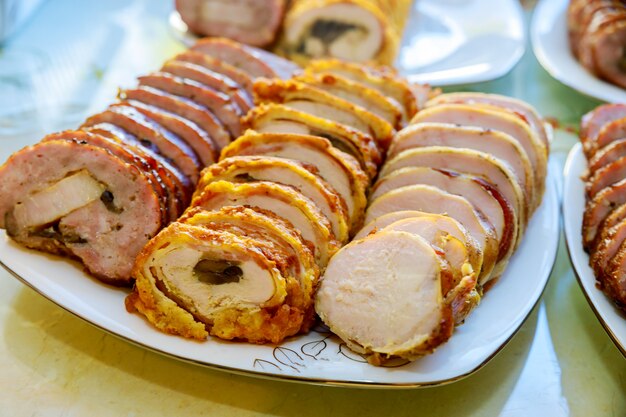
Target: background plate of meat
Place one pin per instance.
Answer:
(448, 42)
(549, 36)
(318, 357)
(611, 318)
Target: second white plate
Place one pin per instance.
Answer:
(611, 318)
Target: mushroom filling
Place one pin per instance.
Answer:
(217, 272)
(342, 145)
(325, 32)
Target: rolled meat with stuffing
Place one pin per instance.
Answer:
(194, 280)
(80, 201)
(253, 22)
(351, 30)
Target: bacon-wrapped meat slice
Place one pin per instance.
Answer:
(401, 312)
(192, 280)
(605, 177)
(253, 22)
(319, 103)
(302, 177)
(592, 123)
(337, 168)
(281, 200)
(599, 207)
(607, 155)
(278, 118)
(81, 201)
(254, 61)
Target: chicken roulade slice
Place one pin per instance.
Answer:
(357, 93)
(401, 311)
(278, 118)
(302, 177)
(489, 117)
(493, 142)
(263, 224)
(308, 99)
(281, 200)
(337, 168)
(599, 207)
(251, 22)
(433, 200)
(184, 108)
(466, 161)
(79, 200)
(220, 104)
(480, 193)
(253, 61)
(194, 281)
(522, 109)
(387, 84)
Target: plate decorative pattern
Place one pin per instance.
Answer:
(611, 318)
(318, 357)
(551, 46)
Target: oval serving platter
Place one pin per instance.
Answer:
(318, 357)
(611, 318)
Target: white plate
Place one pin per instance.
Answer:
(448, 42)
(317, 357)
(551, 46)
(612, 319)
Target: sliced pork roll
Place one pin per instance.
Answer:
(284, 201)
(599, 207)
(357, 93)
(605, 177)
(592, 122)
(433, 200)
(607, 155)
(319, 103)
(296, 174)
(278, 118)
(352, 30)
(194, 281)
(337, 168)
(386, 83)
(81, 201)
(252, 22)
(496, 143)
(401, 311)
(253, 61)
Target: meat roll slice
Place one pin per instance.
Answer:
(604, 42)
(151, 136)
(466, 161)
(522, 109)
(220, 104)
(458, 283)
(387, 84)
(319, 103)
(251, 22)
(197, 138)
(607, 155)
(296, 174)
(278, 118)
(255, 62)
(444, 223)
(609, 241)
(433, 200)
(599, 207)
(263, 224)
(281, 200)
(183, 107)
(357, 93)
(194, 281)
(240, 77)
(613, 281)
(397, 266)
(592, 122)
(610, 132)
(605, 177)
(337, 168)
(212, 79)
(489, 117)
(496, 143)
(81, 201)
(480, 193)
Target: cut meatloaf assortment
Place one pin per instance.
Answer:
(244, 260)
(597, 35)
(603, 134)
(446, 213)
(99, 193)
